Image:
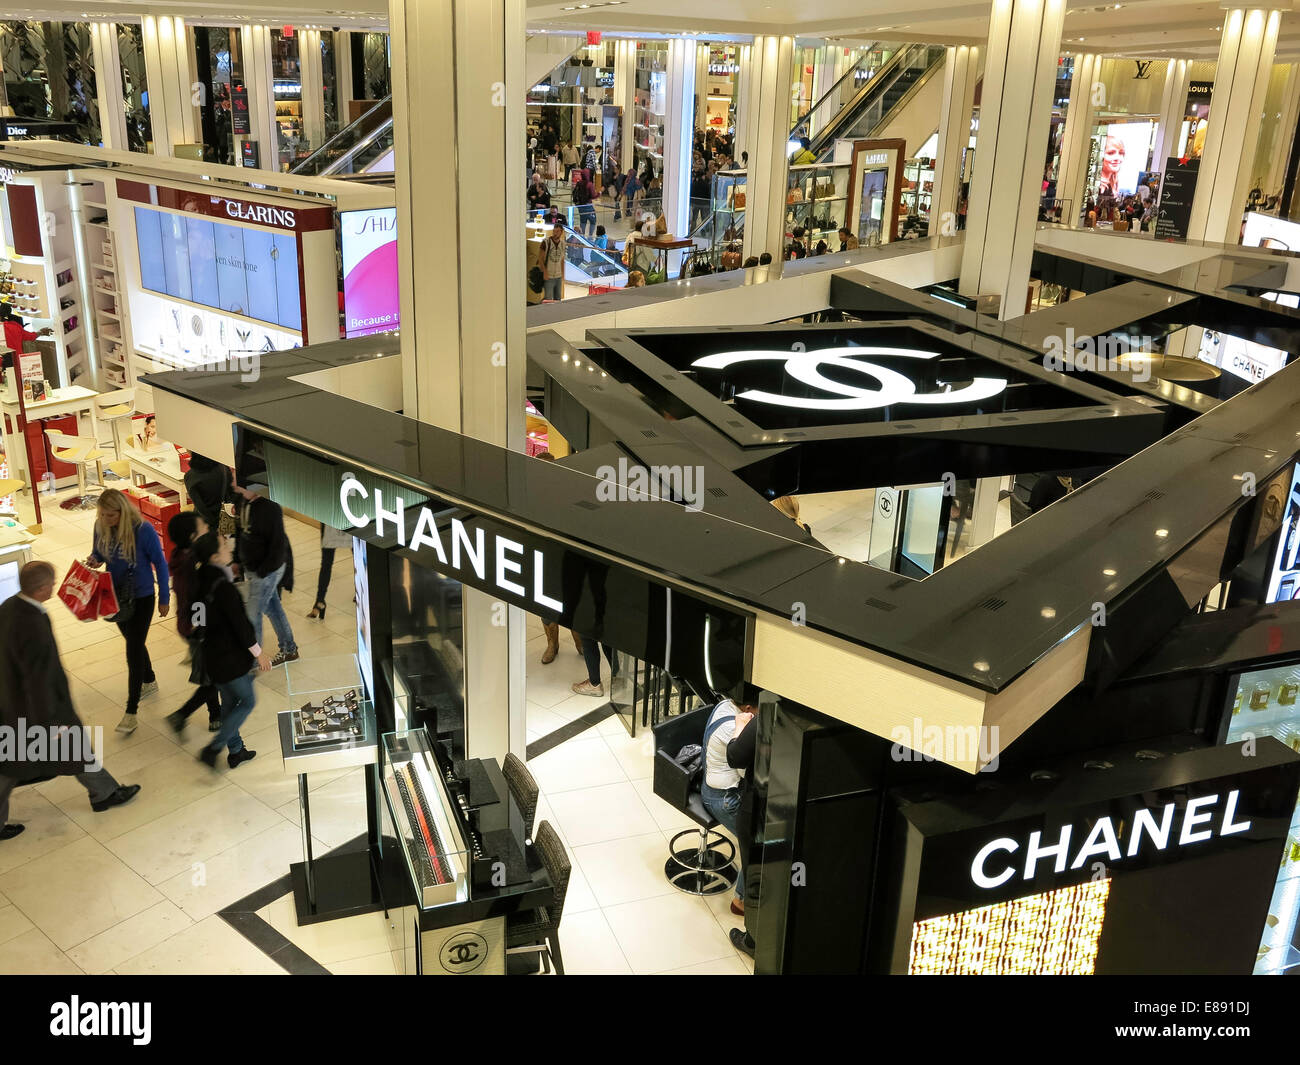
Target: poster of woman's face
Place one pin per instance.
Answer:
(1124, 151)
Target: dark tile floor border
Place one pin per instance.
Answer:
(243, 917)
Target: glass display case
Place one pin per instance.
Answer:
(330, 723)
(728, 205)
(816, 198)
(1266, 702)
(436, 852)
(918, 189)
(651, 106)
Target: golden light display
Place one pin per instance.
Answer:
(1055, 933)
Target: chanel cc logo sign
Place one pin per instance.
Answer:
(891, 386)
(463, 953)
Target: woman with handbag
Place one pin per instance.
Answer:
(227, 651)
(130, 547)
(183, 530)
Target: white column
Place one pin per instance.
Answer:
(313, 87)
(767, 133)
(1015, 113)
(343, 73)
(744, 79)
(1246, 52)
(260, 83)
(679, 135)
(1285, 131)
(1072, 173)
(169, 66)
(1173, 108)
(108, 85)
(625, 97)
(960, 73)
(701, 85)
(458, 123)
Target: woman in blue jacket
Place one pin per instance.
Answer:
(129, 546)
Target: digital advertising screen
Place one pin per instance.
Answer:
(236, 269)
(370, 296)
(1242, 358)
(1123, 156)
(1284, 580)
(1265, 231)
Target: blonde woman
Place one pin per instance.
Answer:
(789, 506)
(130, 547)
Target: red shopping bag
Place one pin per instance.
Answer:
(87, 593)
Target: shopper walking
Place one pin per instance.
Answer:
(330, 541)
(34, 695)
(208, 485)
(583, 194)
(230, 650)
(263, 549)
(130, 548)
(550, 258)
(569, 157)
(183, 530)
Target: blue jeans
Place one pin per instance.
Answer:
(725, 806)
(553, 288)
(237, 701)
(262, 599)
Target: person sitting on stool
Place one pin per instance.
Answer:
(728, 762)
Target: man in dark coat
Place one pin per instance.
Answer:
(40, 733)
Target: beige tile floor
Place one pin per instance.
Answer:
(137, 889)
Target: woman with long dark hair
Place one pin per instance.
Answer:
(130, 547)
(228, 648)
(183, 530)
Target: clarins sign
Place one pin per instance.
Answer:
(294, 218)
(261, 213)
(494, 558)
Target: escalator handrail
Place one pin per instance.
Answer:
(897, 63)
(801, 127)
(352, 136)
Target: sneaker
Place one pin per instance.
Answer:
(118, 798)
(214, 724)
(208, 756)
(281, 657)
(177, 722)
(9, 831)
(741, 940)
(148, 688)
(127, 725)
(239, 757)
(585, 687)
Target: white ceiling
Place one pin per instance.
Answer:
(1156, 28)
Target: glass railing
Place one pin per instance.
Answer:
(585, 263)
(357, 147)
(842, 93)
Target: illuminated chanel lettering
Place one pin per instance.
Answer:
(472, 554)
(1103, 839)
(891, 386)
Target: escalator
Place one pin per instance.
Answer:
(362, 149)
(869, 108)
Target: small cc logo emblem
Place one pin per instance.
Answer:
(463, 953)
